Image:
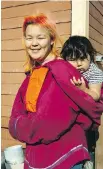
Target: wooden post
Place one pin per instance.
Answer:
(80, 17)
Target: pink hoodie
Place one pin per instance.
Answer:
(54, 138)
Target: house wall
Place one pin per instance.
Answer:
(96, 37)
(96, 24)
(13, 54)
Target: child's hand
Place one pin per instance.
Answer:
(80, 83)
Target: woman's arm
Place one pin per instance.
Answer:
(22, 123)
(94, 90)
(48, 122)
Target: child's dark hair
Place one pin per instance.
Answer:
(78, 47)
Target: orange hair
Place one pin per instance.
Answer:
(46, 23)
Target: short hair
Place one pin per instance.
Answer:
(77, 47)
(42, 20)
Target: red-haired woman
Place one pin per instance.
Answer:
(47, 105)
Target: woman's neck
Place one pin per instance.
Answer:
(49, 58)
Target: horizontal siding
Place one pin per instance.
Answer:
(7, 100)
(13, 34)
(4, 122)
(12, 44)
(45, 7)
(58, 17)
(96, 25)
(8, 78)
(101, 2)
(12, 67)
(5, 134)
(9, 88)
(95, 13)
(7, 143)
(96, 37)
(97, 46)
(7, 139)
(17, 44)
(10, 56)
(98, 6)
(6, 111)
(13, 54)
(9, 4)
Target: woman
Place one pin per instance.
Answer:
(46, 107)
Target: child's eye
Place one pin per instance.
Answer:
(72, 60)
(84, 59)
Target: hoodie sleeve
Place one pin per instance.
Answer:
(19, 111)
(22, 123)
(26, 126)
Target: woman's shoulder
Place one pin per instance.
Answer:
(61, 69)
(58, 64)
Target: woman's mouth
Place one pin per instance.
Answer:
(35, 50)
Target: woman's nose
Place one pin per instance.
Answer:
(34, 42)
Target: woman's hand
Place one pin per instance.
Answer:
(80, 83)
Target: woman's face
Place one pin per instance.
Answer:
(38, 42)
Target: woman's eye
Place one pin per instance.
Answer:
(29, 38)
(41, 37)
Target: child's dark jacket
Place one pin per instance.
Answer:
(54, 134)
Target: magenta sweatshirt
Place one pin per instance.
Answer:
(54, 138)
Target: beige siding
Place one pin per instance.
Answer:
(13, 54)
(96, 25)
(96, 37)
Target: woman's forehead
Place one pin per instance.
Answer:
(36, 29)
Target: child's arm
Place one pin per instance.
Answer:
(94, 90)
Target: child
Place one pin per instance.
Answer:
(79, 52)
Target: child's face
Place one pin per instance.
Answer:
(81, 65)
